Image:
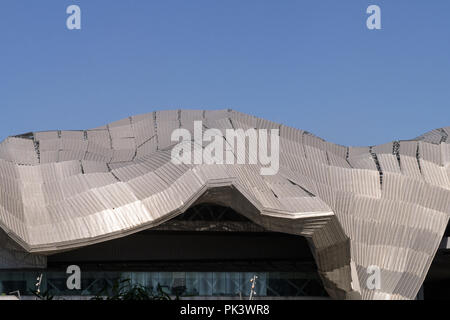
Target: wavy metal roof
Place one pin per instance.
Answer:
(385, 205)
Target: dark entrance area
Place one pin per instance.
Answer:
(209, 250)
(437, 283)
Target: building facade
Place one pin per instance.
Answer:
(333, 221)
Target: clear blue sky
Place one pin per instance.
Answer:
(309, 64)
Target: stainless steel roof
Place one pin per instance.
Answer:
(384, 205)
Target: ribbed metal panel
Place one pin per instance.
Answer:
(363, 161)
(384, 205)
(164, 132)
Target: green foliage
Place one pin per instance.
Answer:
(123, 289)
(42, 295)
